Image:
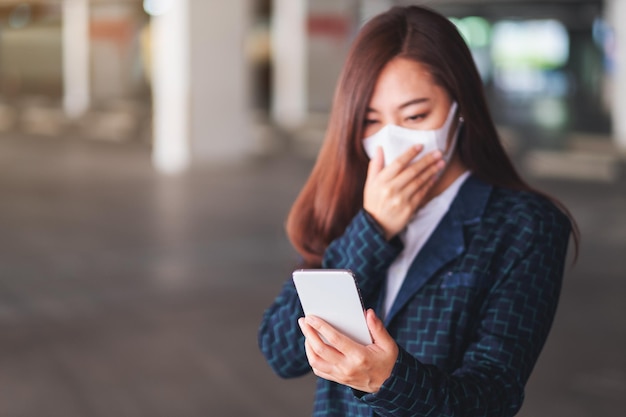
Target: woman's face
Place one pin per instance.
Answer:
(406, 95)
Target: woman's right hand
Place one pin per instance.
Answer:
(393, 193)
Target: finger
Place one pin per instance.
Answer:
(324, 374)
(417, 200)
(309, 332)
(417, 169)
(334, 338)
(315, 348)
(324, 351)
(315, 355)
(317, 362)
(417, 187)
(424, 183)
(383, 344)
(403, 160)
(376, 328)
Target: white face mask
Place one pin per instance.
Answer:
(395, 140)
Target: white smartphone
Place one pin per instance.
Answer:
(333, 295)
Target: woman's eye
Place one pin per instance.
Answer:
(369, 122)
(416, 117)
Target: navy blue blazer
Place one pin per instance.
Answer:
(470, 319)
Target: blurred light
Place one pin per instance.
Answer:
(522, 80)
(600, 30)
(604, 37)
(540, 44)
(550, 113)
(20, 16)
(533, 81)
(157, 7)
(476, 30)
(528, 57)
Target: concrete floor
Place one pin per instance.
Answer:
(126, 293)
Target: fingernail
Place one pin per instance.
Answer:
(311, 320)
(437, 154)
(441, 164)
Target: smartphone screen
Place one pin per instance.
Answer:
(333, 296)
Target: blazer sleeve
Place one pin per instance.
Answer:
(280, 339)
(513, 325)
(363, 249)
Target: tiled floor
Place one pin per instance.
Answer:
(125, 293)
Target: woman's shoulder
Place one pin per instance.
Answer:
(525, 208)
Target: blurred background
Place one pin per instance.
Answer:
(150, 151)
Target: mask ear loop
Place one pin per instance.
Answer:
(452, 140)
(461, 122)
(459, 126)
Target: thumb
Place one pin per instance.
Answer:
(377, 329)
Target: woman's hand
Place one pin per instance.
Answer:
(345, 361)
(393, 193)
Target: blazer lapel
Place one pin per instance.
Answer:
(447, 241)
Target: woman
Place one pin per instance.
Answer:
(461, 260)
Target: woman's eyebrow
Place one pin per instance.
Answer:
(414, 101)
(403, 105)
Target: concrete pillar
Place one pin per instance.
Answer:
(200, 82)
(331, 26)
(76, 91)
(289, 62)
(220, 80)
(170, 85)
(616, 14)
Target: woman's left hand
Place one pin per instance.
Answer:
(345, 361)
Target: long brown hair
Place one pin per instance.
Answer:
(333, 193)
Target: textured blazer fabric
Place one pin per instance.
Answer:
(471, 317)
